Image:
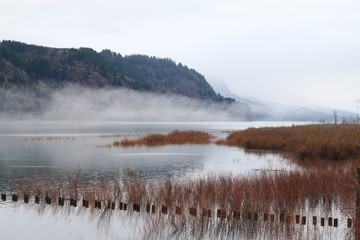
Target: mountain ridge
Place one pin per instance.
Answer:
(30, 74)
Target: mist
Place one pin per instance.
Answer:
(77, 103)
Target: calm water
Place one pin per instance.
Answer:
(31, 148)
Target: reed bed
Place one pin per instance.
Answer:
(175, 137)
(192, 206)
(307, 142)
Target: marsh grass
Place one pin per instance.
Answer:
(304, 142)
(242, 201)
(175, 137)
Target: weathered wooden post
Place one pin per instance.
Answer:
(37, 199)
(85, 203)
(303, 220)
(164, 209)
(60, 201)
(47, 200)
(26, 198)
(3, 196)
(178, 210)
(314, 220)
(193, 212)
(357, 217)
(136, 207)
(330, 221)
(14, 197)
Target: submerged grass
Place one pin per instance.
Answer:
(319, 188)
(193, 206)
(304, 142)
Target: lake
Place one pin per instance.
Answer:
(29, 149)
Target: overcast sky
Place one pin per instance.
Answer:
(304, 52)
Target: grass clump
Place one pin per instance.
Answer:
(175, 137)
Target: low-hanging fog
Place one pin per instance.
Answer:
(78, 103)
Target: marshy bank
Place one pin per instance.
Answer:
(267, 204)
(304, 142)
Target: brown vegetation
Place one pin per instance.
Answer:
(214, 205)
(278, 192)
(317, 141)
(175, 137)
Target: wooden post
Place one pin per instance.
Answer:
(178, 211)
(164, 209)
(148, 208)
(153, 209)
(330, 221)
(297, 219)
(303, 220)
(26, 198)
(37, 199)
(336, 223)
(266, 217)
(221, 213)
(357, 216)
(314, 220)
(3, 196)
(85, 203)
(47, 200)
(97, 204)
(136, 207)
(15, 197)
(349, 223)
(322, 222)
(125, 206)
(193, 212)
(61, 201)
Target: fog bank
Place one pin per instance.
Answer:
(77, 103)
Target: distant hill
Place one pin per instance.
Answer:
(29, 74)
(267, 111)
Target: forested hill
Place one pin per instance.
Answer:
(44, 69)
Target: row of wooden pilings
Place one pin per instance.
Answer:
(222, 214)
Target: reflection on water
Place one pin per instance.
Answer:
(78, 147)
(75, 145)
(52, 222)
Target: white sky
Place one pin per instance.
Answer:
(304, 52)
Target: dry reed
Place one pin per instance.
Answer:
(307, 142)
(175, 137)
